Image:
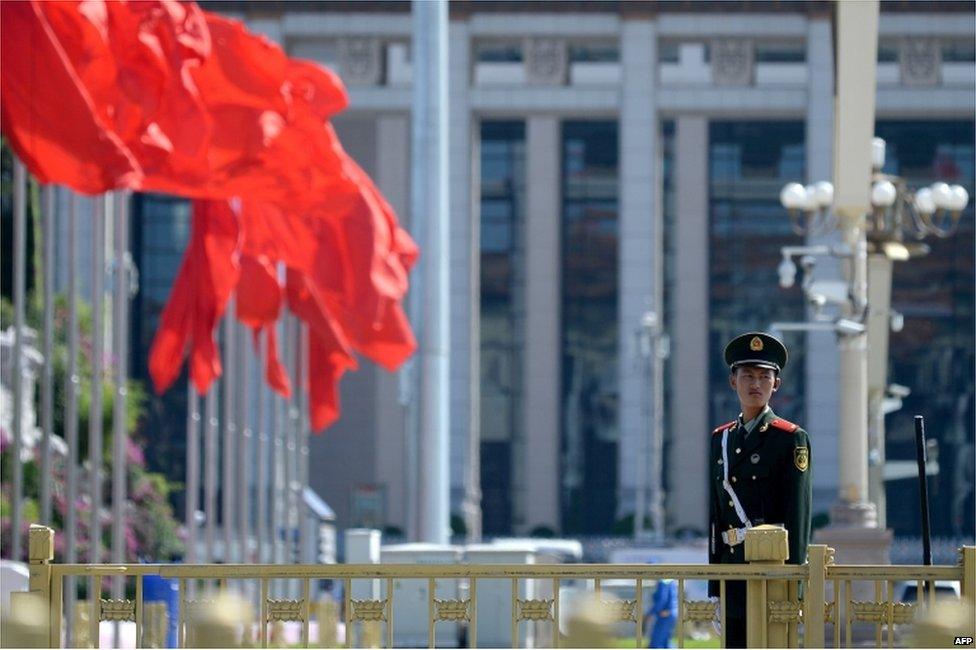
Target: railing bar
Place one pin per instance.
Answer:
(306, 611)
(836, 613)
(597, 588)
(640, 612)
(891, 613)
(139, 612)
(919, 596)
(264, 613)
(431, 615)
(681, 612)
(181, 622)
(473, 626)
(515, 612)
(94, 597)
(721, 604)
(389, 612)
(765, 614)
(877, 626)
(349, 622)
(555, 613)
(931, 584)
(848, 613)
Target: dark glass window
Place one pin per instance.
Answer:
(934, 354)
(589, 326)
(958, 51)
(160, 232)
(502, 315)
(594, 53)
(887, 51)
(781, 52)
(749, 163)
(498, 52)
(668, 208)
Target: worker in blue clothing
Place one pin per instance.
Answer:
(664, 611)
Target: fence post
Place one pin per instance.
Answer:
(40, 554)
(766, 625)
(815, 597)
(968, 560)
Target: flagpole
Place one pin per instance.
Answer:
(210, 470)
(47, 373)
(192, 505)
(71, 401)
(243, 447)
(229, 426)
(303, 432)
(99, 216)
(430, 218)
(261, 460)
(119, 433)
(19, 271)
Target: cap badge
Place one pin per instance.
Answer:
(756, 344)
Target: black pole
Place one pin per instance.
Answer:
(923, 492)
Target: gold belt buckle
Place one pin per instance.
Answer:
(733, 536)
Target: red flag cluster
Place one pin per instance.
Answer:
(161, 96)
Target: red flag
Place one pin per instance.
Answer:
(48, 115)
(199, 297)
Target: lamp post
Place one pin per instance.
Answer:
(654, 346)
(899, 219)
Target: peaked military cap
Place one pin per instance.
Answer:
(756, 349)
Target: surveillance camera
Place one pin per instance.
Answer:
(897, 321)
(845, 326)
(787, 273)
(899, 391)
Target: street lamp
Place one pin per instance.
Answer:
(900, 217)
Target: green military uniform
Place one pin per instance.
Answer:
(765, 466)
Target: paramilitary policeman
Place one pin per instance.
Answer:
(759, 470)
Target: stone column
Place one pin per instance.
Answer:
(539, 500)
(641, 252)
(822, 365)
(393, 179)
(688, 499)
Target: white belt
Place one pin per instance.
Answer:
(734, 536)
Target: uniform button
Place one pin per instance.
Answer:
(738, 451)
(733, 479)
(731, 504)
(732, 550)
(753, 477)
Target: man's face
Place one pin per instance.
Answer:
(754, 385)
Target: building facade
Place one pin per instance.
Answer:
(611, 159)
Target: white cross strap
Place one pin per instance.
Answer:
(725, 481)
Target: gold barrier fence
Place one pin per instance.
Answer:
(787, 605)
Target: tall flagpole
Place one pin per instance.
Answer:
(20, 270)
(99, 217)
(210, 470)
(71, 399)
(431, 223)
(243, 446)
(261, 461)
(303, 432)
(119, 433)
(229, 427)
(47, 373)
(192, 500)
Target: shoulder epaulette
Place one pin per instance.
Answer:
(785, 425)
(724, 426)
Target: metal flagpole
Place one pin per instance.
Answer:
(192, 500)
(47, 373)
(210, 470)
(261, 460)
(119, 434)
(20, 270)
(292, 440)
(228, 427)
(99, 216)
(303, 433)
(243, 446)
(429, 215)
(71, 400)
(277, 471)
